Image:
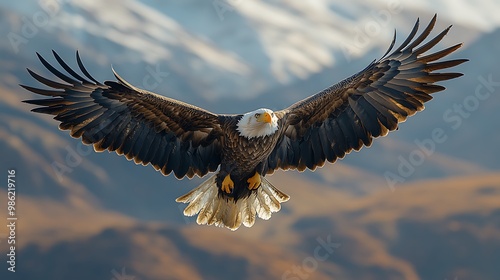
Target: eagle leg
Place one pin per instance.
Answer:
(227, 184)
(254, 181)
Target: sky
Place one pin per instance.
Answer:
(103, 217)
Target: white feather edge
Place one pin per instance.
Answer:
(224, 212)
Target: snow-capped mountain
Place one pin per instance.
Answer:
(232, 48)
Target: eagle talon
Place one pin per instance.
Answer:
(254, 181)
(227, 184)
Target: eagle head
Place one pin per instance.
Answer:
(259, 123)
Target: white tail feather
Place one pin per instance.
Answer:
(222, 211)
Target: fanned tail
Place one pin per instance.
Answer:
(213, 209)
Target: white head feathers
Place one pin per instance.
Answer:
(258, 123)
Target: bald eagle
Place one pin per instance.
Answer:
(184, 139)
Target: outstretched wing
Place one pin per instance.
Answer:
(369, 104)
(144, 126)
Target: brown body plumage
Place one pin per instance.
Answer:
(242, 157)
(177, 137)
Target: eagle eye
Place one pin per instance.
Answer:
(257, 115)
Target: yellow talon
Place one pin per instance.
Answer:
(254, 181)
(227, 184)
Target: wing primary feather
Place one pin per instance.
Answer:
(391, 45)
(45, 92)
(48, 110)
(56, 72)
(439, 54)
(47, 102)
(437, 77)
(444, 64)
(432, 42)
(422, 36)
(46, 81)
(84, 70)
(69, 70)
(123, 82)
(410, 37)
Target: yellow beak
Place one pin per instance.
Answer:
(265, 117)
